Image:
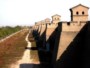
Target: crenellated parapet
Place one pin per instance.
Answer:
(52, 25)
(73, 26)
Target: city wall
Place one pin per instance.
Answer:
(50, 29)
(43, 28)
(72, 26)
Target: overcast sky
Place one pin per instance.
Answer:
(27, 12)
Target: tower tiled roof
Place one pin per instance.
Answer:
(56, 15)
(79, 5)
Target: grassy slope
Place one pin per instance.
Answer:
(5, 31)
(12, 49)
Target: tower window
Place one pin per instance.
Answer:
(83, 13)
(77, 13)
(55, 18)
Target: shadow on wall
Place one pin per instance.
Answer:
(42, 53)
(56, 34)
(40, 40)
(45, 56)
(77, 54)
(52, 39)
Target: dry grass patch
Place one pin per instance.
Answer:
(34, 55)
(12, 49)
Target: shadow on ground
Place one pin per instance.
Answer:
(29, 66)
(31, 48)
(32, 66)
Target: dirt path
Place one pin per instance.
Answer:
(26, 56)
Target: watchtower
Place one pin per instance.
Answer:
(56, 18)
(79, 13)
(47, 20)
